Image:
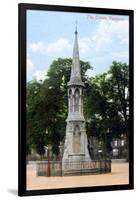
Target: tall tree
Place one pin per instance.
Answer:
(107, 104)
(47, 105)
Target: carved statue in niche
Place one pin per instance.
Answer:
(76, 140)
(71, 104)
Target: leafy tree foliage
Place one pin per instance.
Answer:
(47, 106)
(106, 105)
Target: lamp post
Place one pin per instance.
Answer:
(60, 156)
(48, 155)
(60, 150)
(106, 143)
(107, 131)
(100, 153)
(49, 147)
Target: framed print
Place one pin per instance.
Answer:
(75, 99)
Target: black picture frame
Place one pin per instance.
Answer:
(22, 9)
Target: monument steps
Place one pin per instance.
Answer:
(81, 172)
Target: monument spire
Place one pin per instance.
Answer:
(75, 77)
(75, 147)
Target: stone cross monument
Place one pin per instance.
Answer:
(75, 147)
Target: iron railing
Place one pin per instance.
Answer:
(57, 168)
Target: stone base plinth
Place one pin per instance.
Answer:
(58, 168)
(80, 172)
(86, 167)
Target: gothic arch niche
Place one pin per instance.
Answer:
(76, 139)
(70, 92)
(70, 101)
(76, 100)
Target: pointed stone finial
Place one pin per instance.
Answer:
(75, 77)
(76, 32)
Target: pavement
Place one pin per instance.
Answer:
(119, 175)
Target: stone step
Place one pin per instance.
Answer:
(81, 172)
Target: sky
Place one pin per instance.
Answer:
(50, 35)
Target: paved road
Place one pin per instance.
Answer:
(119, 175)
